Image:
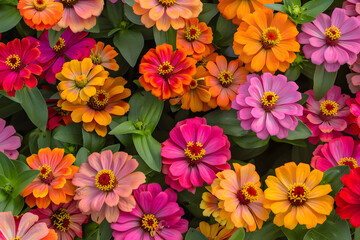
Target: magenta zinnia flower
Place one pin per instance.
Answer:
(334, 41)
(105, 185)
(71, 45)
(156, 216)
(194, 153)
(17, 65)
(66, 219)
(352, 8)
(328, 117)
(9, 143)
(267, 105)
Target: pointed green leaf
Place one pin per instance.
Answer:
(315, 7)
(7, 166)
(22, 180)
(323, 81)
(70, 133)
(250, 141)
(209, 12)
(125, 128)
(159, 36)
(9, 17)
(300, 132)
(193, 234)
(149, 150)
(238, 234)
(130, 44)
(92, 141)
(277, 7)
(82, 156)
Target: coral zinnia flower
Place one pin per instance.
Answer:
(78, 80)
(339, 151)
(24, 227)
(9, 143)
(56, 115)
(267, 105)
(215, 231)
(66, 219)
(40, 14)
(224, 80)
(333, 42)
(165, 72)
(295, 196)
(328, 117)
(104, 56)
(54, 181)
(17, 65)
(164, 13)
(194, 153)
(265, 42)
(156, 216)
(106, 183)
(107, 102)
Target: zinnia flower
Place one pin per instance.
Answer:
(348, 199)
(267, 105)
(295, 196)
(56, 115)
(97, 113)
(65, 219)
(17, 65)
(353, 80)
(9, 143)
(224, 80)
(54, 181)
(24, 227)
(207, 58)
(78, 80)
(164, 13)
(215, 231)
(194, 153)
(352, 8)
(328, 117)
(40, 14)
(165, 72)
(106, 183)
(104, 56)
(156, 216)
(354, 117)
(333, 41)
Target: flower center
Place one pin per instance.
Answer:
(167, 3)
(270, 37)
(192, 33)
(328, 108)
(17, 238)
(332, 35)
(46, 175)
(298, 194)
(268, 100)
(96, 59)
(61, 220)
(248, 193)
(81, 81)
(99, 101)
(39, 5)
(348, 161)
(165, 68)
(60, 44)
(193, 84)
(13, 61)
(225, 78)
(69, 3)
(194, 152)
(149, 223)
(105, 180)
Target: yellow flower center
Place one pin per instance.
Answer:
(329, 108)
(69, 3)
(225, 78)
(167, 3)
(270, 37)
(332, 33)
(61, 220)
(149, 223)
(298, 194)
(99, 101)
(165, 68)
(96, 59)
(13, 61)
(268, 100)
(194, 152)
(105, 180)
(17, 238)
(39, 5)
(192, 33)
(248, 193)
(46, 174)
(60, 44)
(81, 81)
(349, 161)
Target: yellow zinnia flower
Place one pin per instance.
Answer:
(215, 231)
(295, 196)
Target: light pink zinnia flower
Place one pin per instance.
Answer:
(9, 143)
(156, 216)
(353, 80)
(352, 8)
(267, 105)
(328, 117)
(66, 219)
(334, 41)
(106, 183)
(194, 153)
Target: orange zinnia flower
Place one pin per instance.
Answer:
(215, 231)
(40, 14)
(225, 80)
(211, 56)
(265, 42)
(104, 56)
(54, 181)
(107, 102)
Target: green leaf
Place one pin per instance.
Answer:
(293, 73)
(269, 231)
(70, 133)
(333, 177)
(7, 166)
(9, 2)
(15, 205)
(92, 141)
(82, 156)
(225, 31)
(22, 180)
(125, 128)
(44, 139)
(134, 18)
(209, 12)
(250, 141)
(149, 150)
(171, 37)
(298, 142)
(130, 2)
(113, 31)
(9, 17)
(114, 12)
(315, 7)
(303, 99)
(300, 132)
(303, 18)
(8, 107)
(323, 81)
(308, 69)
(54, 36)
(292, 3)
(238, 235)
(114, 148)
(193, 234)
(105, 230)
(277, 7)
(159, 36)
(143, 167)
(130, 44)
(297, 233)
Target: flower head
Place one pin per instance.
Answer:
(354, 117)
(104, 56)
(56, 115)
(352, 8)
(215, 231)
(9, 143)
(155, 216)
(296, 197)
(353, 80)
(105, 185)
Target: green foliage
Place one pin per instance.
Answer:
(9, 15)
(130, 44)
(209, 12)
(323, 81)
(149, 150)
(300, 132)
(92, 141)
(239, 234)
(250, 141)
(54, 36)
(333, 177)
(70, 133)
(193, 234)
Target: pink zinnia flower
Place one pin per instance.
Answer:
(156, 216)
(354, 117)
(70, 45)
(353, 80)
(194, 153)
(105, 185)
(66, 219)
(334, 41)
(352, 8)
(267, 105)
(339, 151)
(328, 117)
(9, 143)
(17, 65)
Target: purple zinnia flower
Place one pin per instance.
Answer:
(267, 105)
(334, 41)
(9, 143)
